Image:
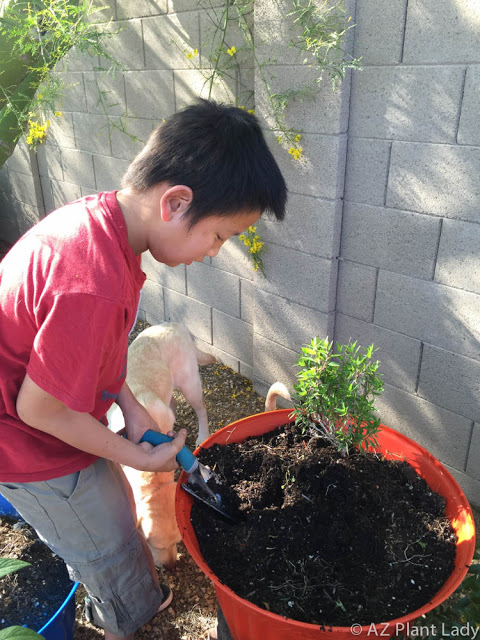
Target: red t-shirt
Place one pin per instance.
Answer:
(69, 290)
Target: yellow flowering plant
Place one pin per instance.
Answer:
(255, 246)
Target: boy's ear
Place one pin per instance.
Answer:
(175, 201)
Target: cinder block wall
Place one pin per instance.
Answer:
(409, 275)
(382, 236)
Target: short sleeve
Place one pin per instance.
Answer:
(71, 347)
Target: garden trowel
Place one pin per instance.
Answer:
(199, 476)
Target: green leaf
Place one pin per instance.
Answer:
(9, 565)
(18, 633)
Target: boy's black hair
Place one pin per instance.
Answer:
(219, 152)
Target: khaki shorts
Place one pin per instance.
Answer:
(87, 518)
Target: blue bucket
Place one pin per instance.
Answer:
(60, 625)
(6, 509)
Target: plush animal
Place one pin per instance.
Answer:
(162, 358)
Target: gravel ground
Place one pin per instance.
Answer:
(229, 397)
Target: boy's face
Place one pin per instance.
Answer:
(183, 246)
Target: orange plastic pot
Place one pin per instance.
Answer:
(248, 622)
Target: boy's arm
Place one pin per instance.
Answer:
(42, 411)
(137, 418)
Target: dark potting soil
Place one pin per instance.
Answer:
(322, 538)
(32, 595)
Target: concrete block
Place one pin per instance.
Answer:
(221, 356)
(468, 130)
(398, 354)
(368, 161)
(245, 94)
(300, 277)
(127, 9)
(470, 486)
(435, 178)
(48, 201)
(26, 188)
(233, 257)
(214, 287)
(72, 96)
(169, 277)
(272, 362)
(192, 83)
(272, 37)
(445, 434)
(61, 133)
(278, 9)
(458, 261)
(245, 370)
(356, 288)
(390, 239)
(78, 168)
(22, 159)
(92, 133)
(213, 41)
(4, 180)
(8, 220)
(150, 94)
(125, 45)
(291, 325)
(378, 31)
(77, 60)
(407, 103)
(109, 172)
(129, 135)
(441, 316)
(64, 192)
(311, 225)
(234, 336)
(49, 160)
(169, 38)
(473, 461)
(105, 93)
(247, 301)
(103, 12)
(322, 170)
(27, 215)
(324, 111)
(442, 31)
(451, 381)
(196, 315)
(152, 303)
(174, 6)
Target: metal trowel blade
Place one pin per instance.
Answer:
(210, 503)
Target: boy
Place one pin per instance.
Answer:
(69, 290)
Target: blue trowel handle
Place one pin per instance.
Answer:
(185, 457)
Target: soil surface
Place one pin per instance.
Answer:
(322, 538)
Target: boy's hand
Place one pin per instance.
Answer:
(42, 411)
(163, 456)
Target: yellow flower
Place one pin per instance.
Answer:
(297, 137)
(296, 153)
(251, 229)
(232, 51)
(195, 52)
(252, 111)
(279, 139)
(58, 114)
